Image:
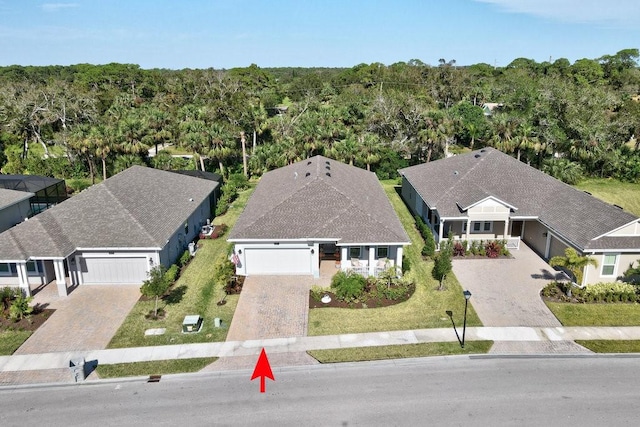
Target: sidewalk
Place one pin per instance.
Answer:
(60, 360)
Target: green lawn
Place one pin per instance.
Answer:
(11, 340)
(361, 354)
(425, 309)
(157, 367)
(198, 298)
(596, 314)
(611, 346)
(625, 194)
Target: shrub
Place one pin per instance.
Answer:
(184, 258)
(156, 285)
(172, 273)
(610, 292)
(492, 249)
(348, 286)
(20, 307)
(238, 181)
(223, 270)
(7, 295)
(459, 249)
(317, 292)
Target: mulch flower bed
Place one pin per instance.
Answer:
(366, 302)
(30, 323)
(235, 286)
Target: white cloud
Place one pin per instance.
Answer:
(608, 12)
(54, 7)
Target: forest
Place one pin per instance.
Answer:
(88, 122)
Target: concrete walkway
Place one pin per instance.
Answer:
(277, 348)
(506, 292)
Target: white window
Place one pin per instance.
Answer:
(609, 264)
(479, 227)
(5, 269)
(354, 252)
(382, 252)
(31, 267)
(488, 226)
(476, 226)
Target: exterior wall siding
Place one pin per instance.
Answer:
(534, 237)
(594, 274)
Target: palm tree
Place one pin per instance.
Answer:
(575, 263)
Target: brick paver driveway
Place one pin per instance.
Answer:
(87, 319)
(506, 292)
(271, 307)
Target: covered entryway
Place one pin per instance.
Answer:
(278, 261)
(113, 271)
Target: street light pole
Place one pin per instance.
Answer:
(467, 296)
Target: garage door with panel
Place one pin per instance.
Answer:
(113, 271)
(278, 260)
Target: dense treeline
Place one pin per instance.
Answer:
(571, 120)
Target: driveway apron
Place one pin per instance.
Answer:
(87, 319)
(506, 292)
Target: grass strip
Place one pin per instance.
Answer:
(611, 346)
(10, 341)
(155, 367)
(605, 314)
(400, 351)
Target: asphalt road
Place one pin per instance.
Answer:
(466, 391)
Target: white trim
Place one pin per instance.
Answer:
(502, 202)
(374, 244)
(616, 229)
(600, 251)
(119, 249)
(274, 240)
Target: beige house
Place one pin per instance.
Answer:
(487, 194)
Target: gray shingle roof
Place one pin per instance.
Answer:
(137, 208)
(11, 197)
(320, 198)
(449, 183)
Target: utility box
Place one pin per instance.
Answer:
(191, 324)
(76, 366)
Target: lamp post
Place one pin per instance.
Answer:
(467, 296)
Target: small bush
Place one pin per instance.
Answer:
(7, 295)
(459, 249)
(492, 249)
(348, 286)
(610, 292)
(20, 307)
(317, 292)
(184, 258)
(172, 273)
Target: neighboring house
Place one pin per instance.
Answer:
(490, 107)
(47, 191)
(111, 233)
(14, 208)
(487, 194)
(314, 210)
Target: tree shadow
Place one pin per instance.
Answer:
(174, 296)
(548, 275)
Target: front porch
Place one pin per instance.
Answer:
(368, 261)
(486, 230)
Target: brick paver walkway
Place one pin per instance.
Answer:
(86, 319)
(506, 292)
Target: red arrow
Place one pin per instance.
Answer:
(262, 370)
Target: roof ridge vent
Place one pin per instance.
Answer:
(328, 174)
(328, 167)
(483, 151)
(307, 174)
(309, 162)
(477, 156)
(456, 172)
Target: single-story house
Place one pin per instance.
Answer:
(315, 210)
(111, 233)
(487, 194)
(46, 191)
(15, 207)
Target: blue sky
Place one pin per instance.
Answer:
(333, 33)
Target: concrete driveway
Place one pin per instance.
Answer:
(87, 319)
(506, 292)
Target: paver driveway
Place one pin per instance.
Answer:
(506, 292)
(87, 319)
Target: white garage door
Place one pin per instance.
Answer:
(278, 261)
(113, 271)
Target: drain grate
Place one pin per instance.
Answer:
(154, 378)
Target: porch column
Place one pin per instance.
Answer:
(61, 281)
(468, 229)
(399, 259)
(372, 260)
(506, 229)
(440, 231)
(23, 277)
(343, 256)
(548, 245)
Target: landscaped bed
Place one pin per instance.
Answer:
(17, 324)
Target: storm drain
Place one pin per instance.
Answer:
(154, 378)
